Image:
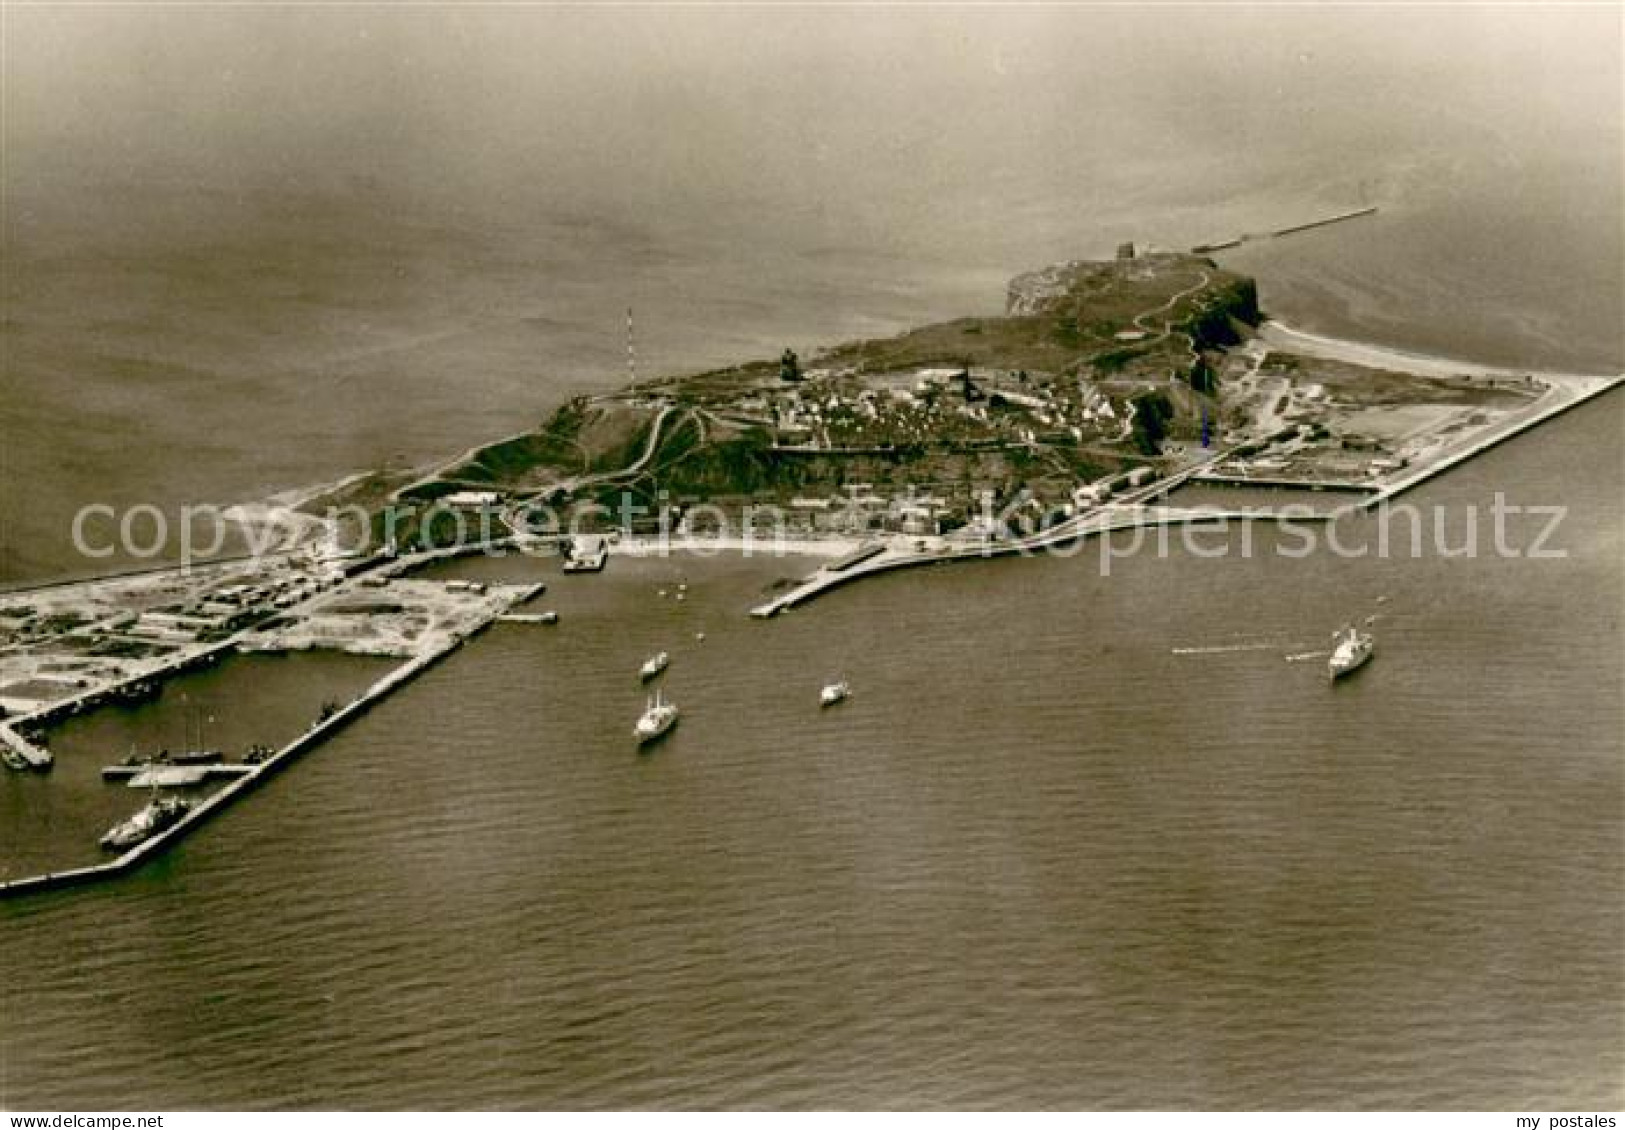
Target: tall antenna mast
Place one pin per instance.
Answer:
(631, 351)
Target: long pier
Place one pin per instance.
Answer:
(1141, 508)
(1337, 219)
(1134, 511)
(1109, 519)
(1238, 240)
(256, 775)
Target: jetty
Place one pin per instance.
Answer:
(1223, 479)
(1293, 229)
(172, 776)
(1143, 507)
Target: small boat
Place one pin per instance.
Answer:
(257, 754)
(586, 555)
(700, 636)
(1351, 651)
(834, 692)
(658, 719)
(653, 666)
(13, 760)
(681, 595)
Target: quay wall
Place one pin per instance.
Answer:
(1484, 442)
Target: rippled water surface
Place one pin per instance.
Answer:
(1057, 849)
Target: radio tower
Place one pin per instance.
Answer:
(631, 351)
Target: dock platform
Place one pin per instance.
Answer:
(1265, 482)
(172, 776)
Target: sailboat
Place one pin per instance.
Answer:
(658, 718)
(196, 754)
(1351, 651)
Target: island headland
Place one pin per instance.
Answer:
(1101, 392)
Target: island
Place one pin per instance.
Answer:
(1111, 393)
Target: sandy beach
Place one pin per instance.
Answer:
(1279, 335)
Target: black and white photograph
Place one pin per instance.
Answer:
(811, 557)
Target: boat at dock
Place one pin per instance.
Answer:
(197, 757)
(653, 666)
(657, 720)
(1351, 651)
(163, 812)
(185, 757)
(834, 692)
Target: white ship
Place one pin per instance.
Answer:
(659, 718)
(154, 818)
(1350, 652)
(653, 666)
(833, 693)
(586, 555)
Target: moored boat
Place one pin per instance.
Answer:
(193, 757)
(161, 813)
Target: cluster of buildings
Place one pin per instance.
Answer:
(831, 411)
